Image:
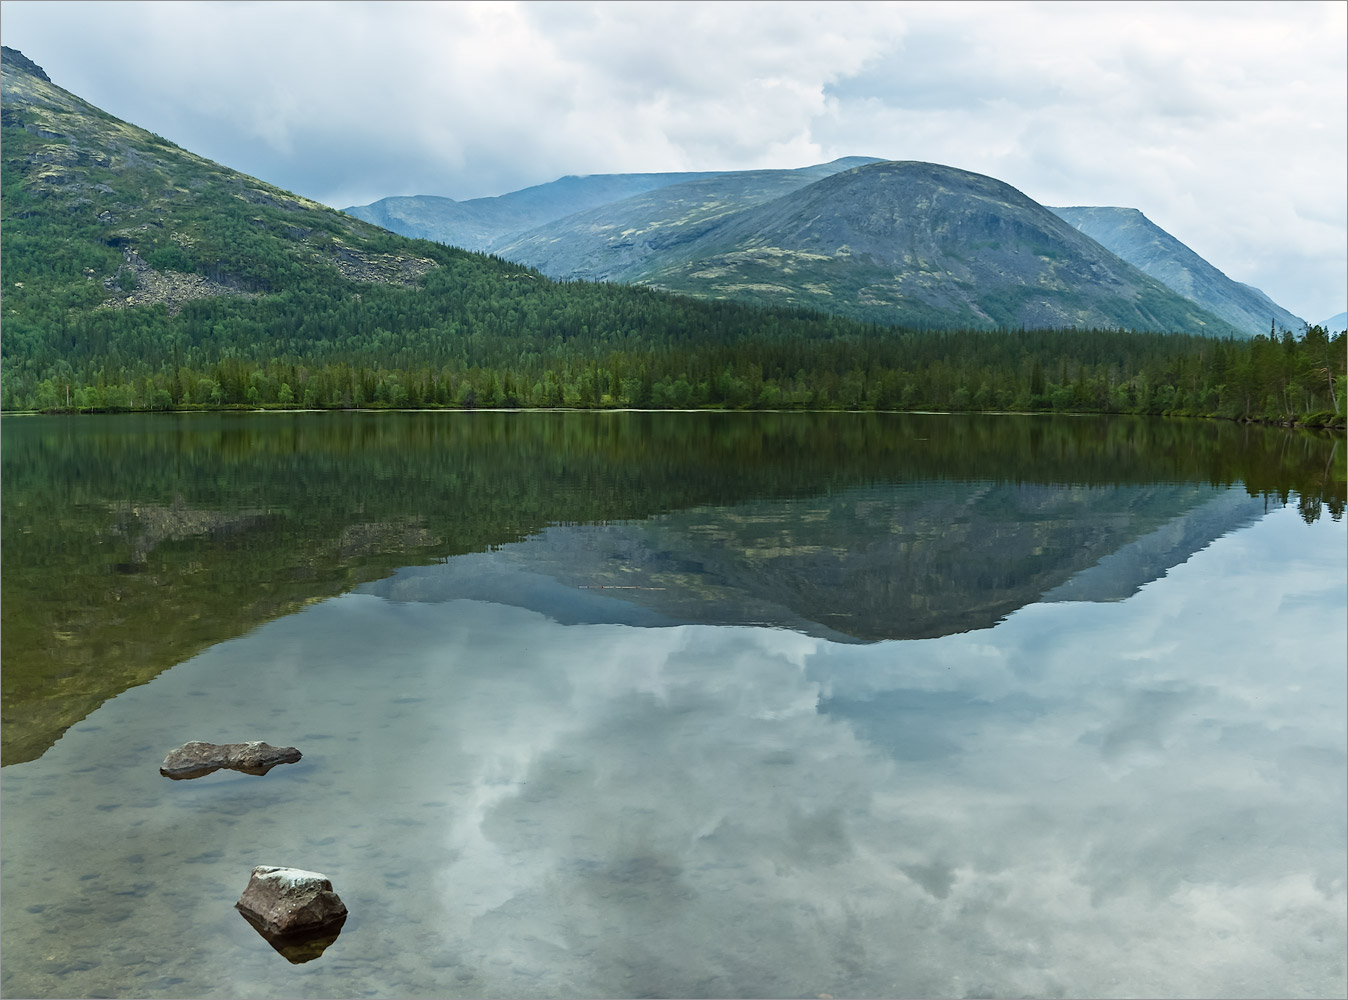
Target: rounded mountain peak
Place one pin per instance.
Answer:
(916, 175)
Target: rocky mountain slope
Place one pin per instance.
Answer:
(887, 242)
(650, 229)
(617, 241)
(1129, 234)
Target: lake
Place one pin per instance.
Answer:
(678, 704)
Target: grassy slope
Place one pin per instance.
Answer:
(89, 198)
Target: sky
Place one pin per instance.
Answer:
(1226, 124)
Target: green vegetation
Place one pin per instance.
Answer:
(588, 346)
(139, 276)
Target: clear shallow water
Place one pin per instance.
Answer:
(1132, 785)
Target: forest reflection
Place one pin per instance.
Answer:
(134, 542)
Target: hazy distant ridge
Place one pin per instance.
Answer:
(625, 240)
(481, 222)
(1132, 236)
(486, 224)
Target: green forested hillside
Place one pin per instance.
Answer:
(138, 275)
(127, 258)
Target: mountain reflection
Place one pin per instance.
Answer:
(905, 561)
(132, 543)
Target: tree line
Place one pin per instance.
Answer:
(1283, 379)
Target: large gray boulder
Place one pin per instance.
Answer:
(192, 760)
(290, 902)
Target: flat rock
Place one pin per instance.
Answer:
(192, 760)
(291, 903)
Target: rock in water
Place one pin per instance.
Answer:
(290, 903)
(192, 760)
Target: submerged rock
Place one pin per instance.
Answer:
(289, 901)
(192, 760)
(304, 946)
(296, 911)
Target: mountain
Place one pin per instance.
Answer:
(481, 222)
(887, 242)
(618, 240)
(1129, 234)
(1336, 323)
(139, 275)
(134, 264)
(98, 212)
(486, 223)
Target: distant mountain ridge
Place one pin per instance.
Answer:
(483, 224)
(675, 231)
(900, 242)
(822, 237)
(617, 241)
(141, 276)
(1129, 234)
(477, 224)
(933, 242)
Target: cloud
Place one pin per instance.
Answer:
(1224, 123)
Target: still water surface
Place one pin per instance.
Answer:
(694, 705)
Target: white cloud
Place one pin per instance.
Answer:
(1224, 123)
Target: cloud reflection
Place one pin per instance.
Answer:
(1140, 798)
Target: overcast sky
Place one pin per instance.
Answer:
(1227, 124)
